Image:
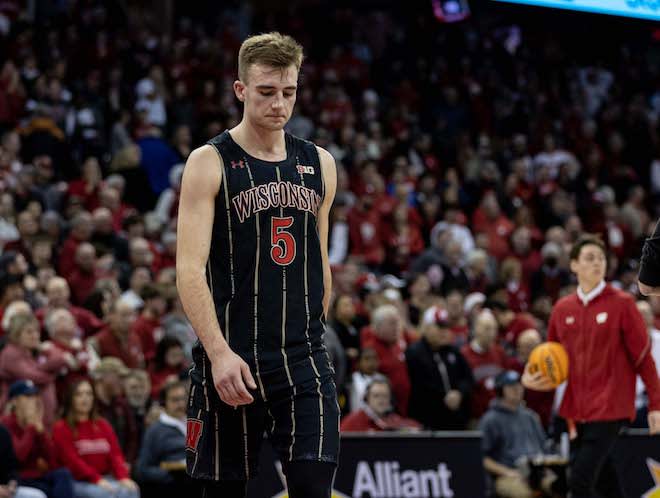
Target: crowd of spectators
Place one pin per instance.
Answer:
(469, 160)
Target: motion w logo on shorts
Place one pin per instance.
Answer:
(193, 433)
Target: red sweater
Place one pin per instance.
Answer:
(130, 352)
(485, 366)
(34, 450)
(392, 364)
(608, 346)
(360, 421)
(90, 452)
(86, 320)
(145, 329)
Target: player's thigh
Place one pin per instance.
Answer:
(223, 442)
(305, 424)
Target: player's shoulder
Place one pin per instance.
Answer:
(204, 153)
(324, 155)
(203, 167)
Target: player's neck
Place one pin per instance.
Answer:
(268, 145)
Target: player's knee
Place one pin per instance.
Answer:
(309, 479)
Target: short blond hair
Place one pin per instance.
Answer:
(270, 49)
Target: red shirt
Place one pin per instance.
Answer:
(365, 235)
(392, 364)
(520, 323)
(89, 452)
(34, 450)
(130, 352)
(67, 257)
(485, 367)
(86, 320)
(360, 421)
(498, 232)
(608, 345)
(79, 189)
(145, 329)
(82, 284)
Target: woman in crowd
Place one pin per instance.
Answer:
(87, 445)
(25, 357)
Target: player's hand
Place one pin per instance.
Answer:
(536, 381)
(230, 376)
(654, 422)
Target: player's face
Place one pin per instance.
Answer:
(590, 266)
(268, 95)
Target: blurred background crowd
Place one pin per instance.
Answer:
(470, 157)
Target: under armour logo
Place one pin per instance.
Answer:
(238, 164)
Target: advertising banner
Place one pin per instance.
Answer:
(644, 9)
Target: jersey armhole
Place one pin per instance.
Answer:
(316, 149)
(223, 173)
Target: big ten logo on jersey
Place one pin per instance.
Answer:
(308, 170)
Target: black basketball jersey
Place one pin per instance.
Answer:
(264, 268)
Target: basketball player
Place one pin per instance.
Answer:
(254, 279)
(608, 346)
(649, 267)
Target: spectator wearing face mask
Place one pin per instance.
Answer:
(550, 278)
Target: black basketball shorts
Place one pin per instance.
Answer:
(301, 422)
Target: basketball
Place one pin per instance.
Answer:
(551, 359)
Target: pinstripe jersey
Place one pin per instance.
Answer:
(264, 268)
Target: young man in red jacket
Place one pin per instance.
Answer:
(608, 346)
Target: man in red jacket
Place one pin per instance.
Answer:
(608, 346)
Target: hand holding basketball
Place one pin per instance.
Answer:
(536, 381)
(547, 367)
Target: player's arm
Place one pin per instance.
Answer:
(329, 172)
(199, 186)
(649, 267)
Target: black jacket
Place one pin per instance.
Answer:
(432, 375)
(8, 462)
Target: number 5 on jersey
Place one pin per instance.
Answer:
(283, 245)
